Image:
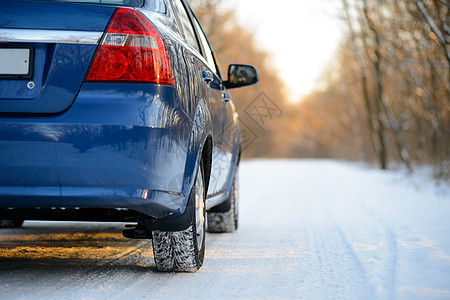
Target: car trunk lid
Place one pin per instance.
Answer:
(46, 50)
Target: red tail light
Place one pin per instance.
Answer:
(131, 51)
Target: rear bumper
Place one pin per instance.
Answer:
(111, 149)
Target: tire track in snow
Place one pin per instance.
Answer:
(329, 269)
(375, 246)
(390, 251)
(336, 271)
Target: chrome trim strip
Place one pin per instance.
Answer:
(50, 36)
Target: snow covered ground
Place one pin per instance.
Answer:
(309, 229)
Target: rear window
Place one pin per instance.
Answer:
(133, 3)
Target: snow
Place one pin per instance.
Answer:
(309, 229)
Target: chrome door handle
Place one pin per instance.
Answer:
(207, 76)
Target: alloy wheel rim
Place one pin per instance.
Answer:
(199, 209)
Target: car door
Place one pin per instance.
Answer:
(223, 110)
(200, 74)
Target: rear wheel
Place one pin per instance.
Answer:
(11, 223)
(228, 221)
(183, 251)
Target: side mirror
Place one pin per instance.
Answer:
(241, 75)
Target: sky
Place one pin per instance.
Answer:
(302, 36)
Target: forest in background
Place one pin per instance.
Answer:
(385, 98)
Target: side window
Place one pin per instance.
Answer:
(186, 24)
(208, 52)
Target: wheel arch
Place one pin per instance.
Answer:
(200, 145)
(199, 149)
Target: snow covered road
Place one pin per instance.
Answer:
(309, 229)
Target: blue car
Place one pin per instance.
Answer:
(115, 110)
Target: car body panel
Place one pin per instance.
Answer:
(54, 15)
(55, 85)
(132, 146)
(129, 141)
(56, 31)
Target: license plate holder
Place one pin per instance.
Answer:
(16, 62)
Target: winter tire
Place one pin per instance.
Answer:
(183, 251)
(221, 222)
